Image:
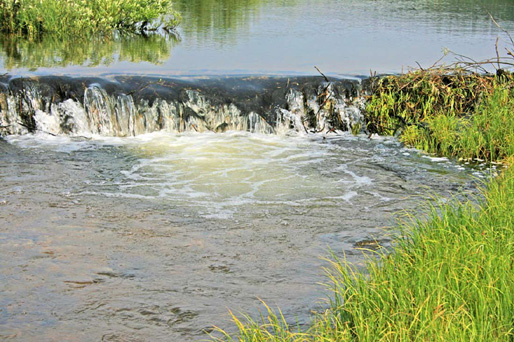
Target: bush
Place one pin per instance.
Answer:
(85, 17)
(460, 114)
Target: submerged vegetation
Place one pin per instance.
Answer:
(31, 18)
(449, 276)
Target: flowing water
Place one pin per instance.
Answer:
(155, 237)
(120, 221)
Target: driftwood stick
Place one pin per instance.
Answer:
(497, 53)
(145, 85)
(420, 67)
(322, 74)
(501, 28)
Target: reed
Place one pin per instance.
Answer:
(31, 18)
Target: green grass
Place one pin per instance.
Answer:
(456, 115)
(409, 99)
(450, 276)
(449, 279)
(79, 18)
(487, 134)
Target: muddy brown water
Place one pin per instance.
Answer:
(156, 237)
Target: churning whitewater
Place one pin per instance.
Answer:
(129, 106)
(153, 237)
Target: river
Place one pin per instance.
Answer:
(341, 37)
(156, 237)
(124, 217)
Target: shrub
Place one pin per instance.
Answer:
(85, 17)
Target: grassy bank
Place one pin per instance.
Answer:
(455, 114)
(449, 279)
(31, 18)
(450, 276)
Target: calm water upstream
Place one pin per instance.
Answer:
(154, 238)
(282, 37)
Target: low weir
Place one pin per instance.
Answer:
(124, 217)
(129, 106)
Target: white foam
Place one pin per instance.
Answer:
(223, 172)
(358, 180)
(436, 159)
(220, 175)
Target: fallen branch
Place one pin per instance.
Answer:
(35, 129)
(322, 74)
(501, 28)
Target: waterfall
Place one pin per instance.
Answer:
(129, 106)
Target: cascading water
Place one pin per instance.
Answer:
(120, 108)
(119, 221)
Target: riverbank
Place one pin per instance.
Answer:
(448, 277)
(128, 105)
(81, 19)
(452, 114)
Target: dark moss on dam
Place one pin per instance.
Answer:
(311, 104)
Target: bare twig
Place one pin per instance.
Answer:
(145, 85)
(497, 53)
(33, 128)
(437, 62)
(322, 74)
(503, 61)
(501, 28)
(420, 67)
(464, 57)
